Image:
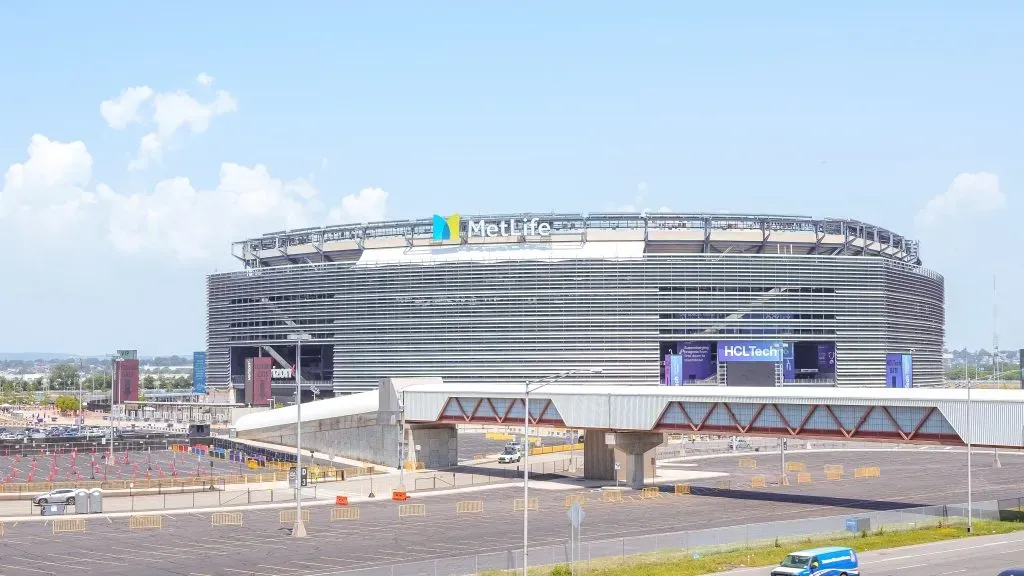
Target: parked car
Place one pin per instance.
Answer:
(59, 496)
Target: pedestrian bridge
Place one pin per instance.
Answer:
(916, 415)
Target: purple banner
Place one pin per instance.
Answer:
(697, 362)
(894, 370)
(827, 358)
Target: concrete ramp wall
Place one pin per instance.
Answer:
(367, 437)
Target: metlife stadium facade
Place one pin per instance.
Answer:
(672, 298)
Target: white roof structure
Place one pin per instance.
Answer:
(361, 403)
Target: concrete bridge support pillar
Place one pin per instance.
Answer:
(598, 457)
(633, 451)
(436, 445)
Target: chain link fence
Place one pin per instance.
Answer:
(704, 541)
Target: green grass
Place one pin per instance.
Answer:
(684, 564)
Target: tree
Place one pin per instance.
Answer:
(149, 382)
(97, 381)
(66, 403)
(64, 377)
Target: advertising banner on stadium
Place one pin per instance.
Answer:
(697, 362)
(907, 362)
(894, 370)
(199, 372)
(248, 381)
(126, 381)
(675, 364)
(826, 358)
(261, 377)
(788, 363)
(750, 351)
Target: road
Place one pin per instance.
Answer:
(981, 556)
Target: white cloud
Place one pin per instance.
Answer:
(41, 195)
(123, 110)
(187, 222)
(50, 196)
(970, 194)
(368, 205)
(173, 111)
(167, 113)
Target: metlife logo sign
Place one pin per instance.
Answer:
(750, 351)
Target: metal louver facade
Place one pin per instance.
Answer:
(513, 320)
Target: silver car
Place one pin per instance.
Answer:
(59, 496)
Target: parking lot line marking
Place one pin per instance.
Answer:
(38, 561)
(279, 567)
(310, 563)
(83, 559)
(250, 572)
(134, 552)
(24, 568)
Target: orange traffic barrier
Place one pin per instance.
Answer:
(341, 500)
(400, 496)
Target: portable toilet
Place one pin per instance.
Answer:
(81, 502)
(95, 501)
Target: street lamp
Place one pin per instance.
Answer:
(299, 531)
(970, 492)
(537, 384)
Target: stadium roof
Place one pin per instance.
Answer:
(672, 233)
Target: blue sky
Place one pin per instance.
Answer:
(903, 114)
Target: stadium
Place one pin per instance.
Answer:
(676, 299)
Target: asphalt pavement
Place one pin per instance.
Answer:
(980, 556)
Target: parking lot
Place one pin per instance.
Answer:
(90, 463)
(188, 544)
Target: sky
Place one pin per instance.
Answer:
(137, 141)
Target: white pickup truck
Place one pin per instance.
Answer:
(513, 453)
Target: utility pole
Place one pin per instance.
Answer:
(995, 331)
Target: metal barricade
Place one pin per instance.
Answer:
(288, 516)
(575, 498)
(518, 505)
(469, 506)
(68, 525)
(650, 493)
(611, 496)
(226, 519)
(344, 514)
(406, 510)
(758, 482)
(145, 522)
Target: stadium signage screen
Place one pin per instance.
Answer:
(510, 227)
(750, 351)
(451, 228)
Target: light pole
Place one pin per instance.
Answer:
(970, 493)
(540, 383)
(300, 529)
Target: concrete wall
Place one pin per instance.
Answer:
(368, 437)
(436, 445)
